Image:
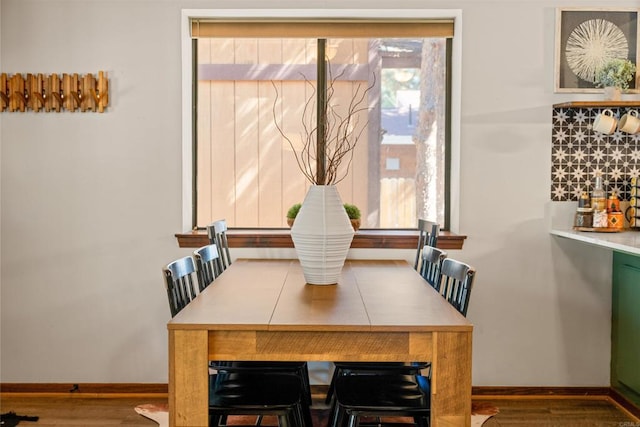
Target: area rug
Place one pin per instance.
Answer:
(159, 413)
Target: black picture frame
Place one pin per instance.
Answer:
(579, 26)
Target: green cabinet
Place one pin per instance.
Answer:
(625, 328)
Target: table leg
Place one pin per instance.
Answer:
(451, 380)
(188, 378)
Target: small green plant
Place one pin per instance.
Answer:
(293, 210)
(352, 211)
(616, 73)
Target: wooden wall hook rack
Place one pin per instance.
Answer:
(54, 92)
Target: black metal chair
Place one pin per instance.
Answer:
(429, 269)
(372, 368)
(427, 236)
(207, 264)
(243, 388)
(456, 283)
(179, 283)
(217, 232)
(395, 393)
(381, 395)
(208, 269)
(236, 390)
(431, 265)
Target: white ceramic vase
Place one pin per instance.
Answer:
(612, 93)
(322, 235)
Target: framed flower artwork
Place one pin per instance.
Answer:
(586, 39)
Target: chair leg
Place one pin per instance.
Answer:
(302, 415)
(332, 421)
(214, 420)
(284, 421)
(298, 417)
(306, 414)
(304, 375)
(354, 420)
(423, 421)
(327, 400)
(338, 415)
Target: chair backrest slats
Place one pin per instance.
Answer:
(179, 283)
(431, 265)
(217, 232)
(207, 264)
(427, 236)
(456, 283)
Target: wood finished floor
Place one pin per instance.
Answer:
(86, 411)
(557, 412)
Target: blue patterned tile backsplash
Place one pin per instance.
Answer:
(578, 153)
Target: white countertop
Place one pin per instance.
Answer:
(625, 241)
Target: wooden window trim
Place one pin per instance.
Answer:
(281, 238)
(322, 28)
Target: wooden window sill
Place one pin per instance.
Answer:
(281, 238)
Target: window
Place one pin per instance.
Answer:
(243, 168)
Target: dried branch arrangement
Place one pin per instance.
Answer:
(342, 131)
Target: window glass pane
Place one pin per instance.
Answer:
(412, 169)
(246, 170)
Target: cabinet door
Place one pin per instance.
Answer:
(626, 319)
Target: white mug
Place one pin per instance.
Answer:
(630, 122)
(605, 122)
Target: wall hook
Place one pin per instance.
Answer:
(78, 98)
(34, 88)
(102, 91)
(42, 97)
(58, 96)
(19, 96)
(53, 85)
(98, 97)
(16, 99)
(53, 92)
(4, 91)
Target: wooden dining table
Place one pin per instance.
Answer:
(380, 310)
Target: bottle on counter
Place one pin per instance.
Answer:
(599, 203)
(613, 203)
(598, 196)
(584, 213)
(615, 217)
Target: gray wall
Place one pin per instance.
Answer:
(91, 202)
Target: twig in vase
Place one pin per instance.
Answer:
(342, 131)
